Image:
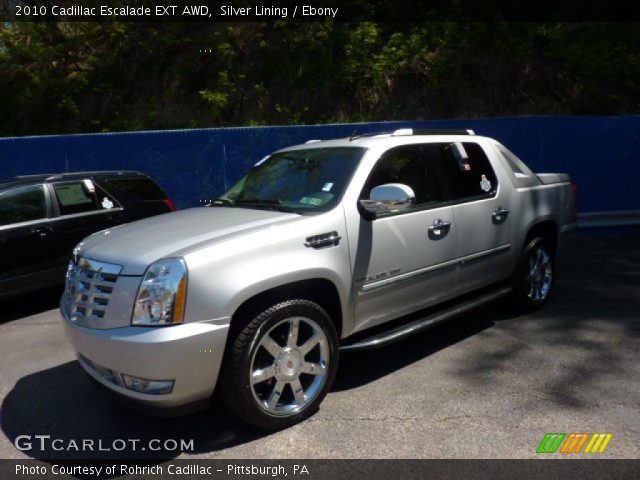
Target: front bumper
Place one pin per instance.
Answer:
(189, 354)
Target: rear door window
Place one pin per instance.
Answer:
(465, 170)
(24, 204)
(74, 198)
(82, 196)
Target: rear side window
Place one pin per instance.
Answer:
(465, 170)
(140, 188)
(22, 205)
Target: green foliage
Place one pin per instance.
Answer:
(77, 77)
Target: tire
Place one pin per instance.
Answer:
(275, 375)
(534, 277)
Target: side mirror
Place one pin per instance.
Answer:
(390, 197)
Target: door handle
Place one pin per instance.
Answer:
(499, 215)
(439, 229)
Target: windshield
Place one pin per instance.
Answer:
(298, 180)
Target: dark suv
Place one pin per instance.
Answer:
(43, 217)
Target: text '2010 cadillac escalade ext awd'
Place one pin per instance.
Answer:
(320, 247)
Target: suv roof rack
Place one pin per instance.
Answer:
(415, 131)
(433, 131)
(59, 176)
(33, 175)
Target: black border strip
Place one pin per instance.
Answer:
(351, 11)
(326, 469)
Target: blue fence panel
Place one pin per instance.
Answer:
(600, 153)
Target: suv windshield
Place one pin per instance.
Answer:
(297, 180)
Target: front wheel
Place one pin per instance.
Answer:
(281, 365)
(534, 276)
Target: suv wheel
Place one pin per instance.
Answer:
(534, 277)
(280, 366)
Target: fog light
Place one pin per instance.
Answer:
(153, 387)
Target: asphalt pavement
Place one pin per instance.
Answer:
(490, 384)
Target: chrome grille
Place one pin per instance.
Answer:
(88, 289)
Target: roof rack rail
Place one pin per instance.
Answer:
(58, 176)
(415, 131)
(356, 135)
(432, 131)
(33, 175)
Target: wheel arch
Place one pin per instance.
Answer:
(547, 229)
(319, 290)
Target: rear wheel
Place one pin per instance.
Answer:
(534, 277)
(281, 365)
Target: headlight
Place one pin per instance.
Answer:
(162, 294)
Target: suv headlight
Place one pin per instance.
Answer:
(162, 294)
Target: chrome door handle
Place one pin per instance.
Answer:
(439, 229)
(499, 215)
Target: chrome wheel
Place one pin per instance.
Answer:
(540, 275)
(289, 367)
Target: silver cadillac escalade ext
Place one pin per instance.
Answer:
(320, 247)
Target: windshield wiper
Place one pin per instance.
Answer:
(264, 203)
(220, 201)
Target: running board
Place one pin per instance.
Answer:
(416, 326)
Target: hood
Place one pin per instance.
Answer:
(136, 245)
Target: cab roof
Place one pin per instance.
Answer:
(391, 138)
